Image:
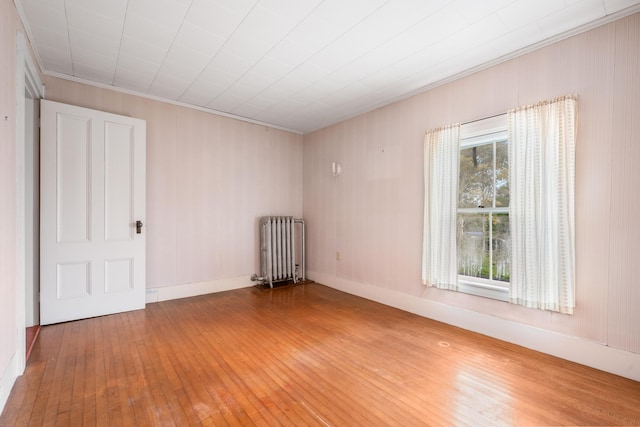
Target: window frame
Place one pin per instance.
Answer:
(483, 132)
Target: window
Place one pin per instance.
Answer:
(499, 206)
(483, 243)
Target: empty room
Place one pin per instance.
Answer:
(319, 212)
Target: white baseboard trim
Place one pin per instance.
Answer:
(584, 352)
(166, 293)
(7, 380)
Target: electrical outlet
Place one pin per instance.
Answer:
(338, 256)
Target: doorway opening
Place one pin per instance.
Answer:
(29, 91)
(32, 220)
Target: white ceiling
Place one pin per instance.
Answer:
(295, 64)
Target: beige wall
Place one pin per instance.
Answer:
(208, 180)
(372, 214)
(9, 24)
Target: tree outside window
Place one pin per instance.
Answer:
(483, 237)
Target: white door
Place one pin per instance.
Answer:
(92, 193)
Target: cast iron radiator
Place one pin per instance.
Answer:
(280, 257)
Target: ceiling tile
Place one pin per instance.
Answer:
(402, 69)
(142, 28)
(265, 26)
(93, 41)
(347, 93)
(131, 83)
(436, 27)
(94, 58)
(51, 37)
(308, 72)
(291, 85)
(241, 7)
(262, 102)
(248, 47)
(524, 12)
(232, 64)
(509, 42)
(112, 9)
(271, 67)
(198, 39)
(294, 10)
(345, 15)
(54, 66)
(218, 76)
(168, 13)
(214, 17)
(133, 79)
(277, 91)
(572, 16)
(50, 14)
(390, 20)
(87, 21)
(337, 55)
(89, 72)
(314, 33)
(258, 81)
(202, 92)
(291, 52)
(239, 91)
(613, 6)
(227, 102)
(56, 59)
(143, 49)
(185, 57)
(473, 10)
(388, 54)
(169, 85)
(179, 72)
(217, 80)
(137, 64)
(475, 34)
(356, 70)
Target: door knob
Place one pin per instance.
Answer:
(138, 227)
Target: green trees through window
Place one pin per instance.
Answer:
(483, 237)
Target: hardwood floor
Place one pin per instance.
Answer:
(31, 335)
(303, 355)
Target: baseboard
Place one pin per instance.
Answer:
(7, 380)
(589, 353)
(166, 293)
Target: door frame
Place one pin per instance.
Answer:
(27, 82)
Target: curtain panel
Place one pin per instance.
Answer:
(542, 181)
(441, 164)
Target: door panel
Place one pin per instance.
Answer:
(119, 158)
(73, 177)
(74, 280)
(92, 194)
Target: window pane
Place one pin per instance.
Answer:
(476, 177)
(502, 174)
(501, 245)
(473, 245)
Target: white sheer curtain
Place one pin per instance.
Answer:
(441, 163)
(541, 186)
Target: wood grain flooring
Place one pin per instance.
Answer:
(31, 335)
(302, 355)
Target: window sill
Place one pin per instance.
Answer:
(469, 286)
